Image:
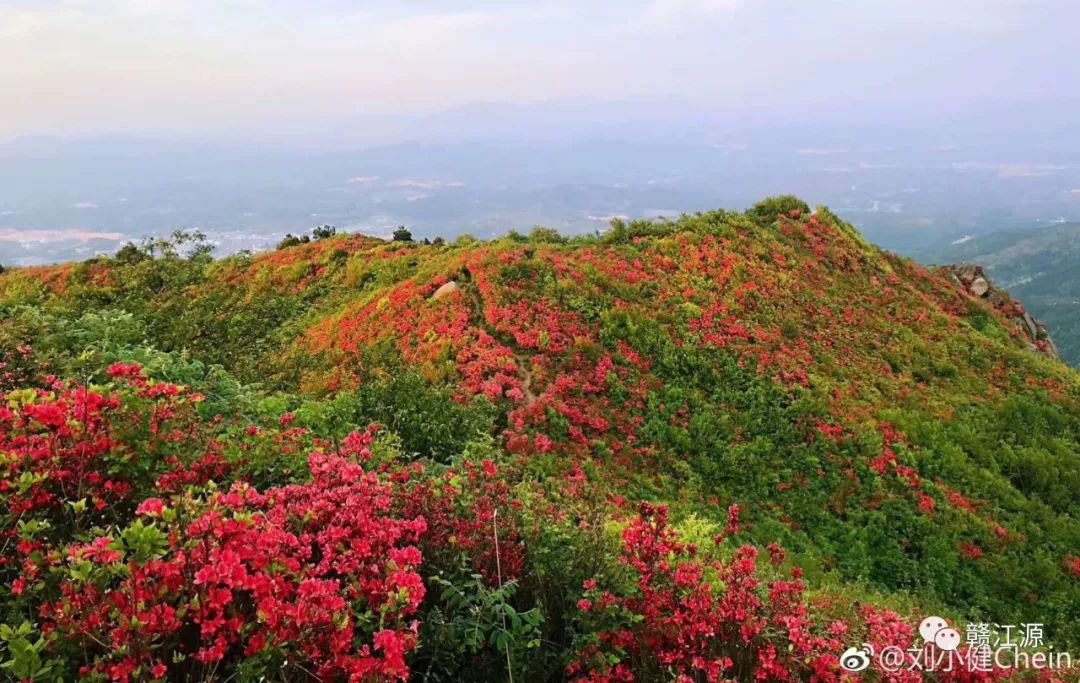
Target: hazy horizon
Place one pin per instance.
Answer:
(249, 119)
(82, 67)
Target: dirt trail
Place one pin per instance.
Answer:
(524, 364)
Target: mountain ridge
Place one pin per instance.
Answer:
(1037, 265)
(889, 427)
(973, 279)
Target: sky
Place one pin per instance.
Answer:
(70, 67)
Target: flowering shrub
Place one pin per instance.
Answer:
(470, 513)
(17, 367)
(316, 576)
(73, 458)
(858, 408)
(689, 617)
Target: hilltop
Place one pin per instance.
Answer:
(641, 410)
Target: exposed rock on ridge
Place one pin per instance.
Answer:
(973, 279)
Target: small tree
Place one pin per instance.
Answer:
(192, 241)
(200, 248)
(324, 231)
(402, 234)
(291, 240)
(541, 235)
(130, 254)
(769, 209)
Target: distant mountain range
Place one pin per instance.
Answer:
(1041, 267)
(486, 169)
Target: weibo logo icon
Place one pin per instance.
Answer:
(857, 659)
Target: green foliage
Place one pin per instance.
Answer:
(402, 234)
(131, 254)
(475, 633)
(291, 240)
(542, 235)
(324, 232)
(427, 417)
(190, 244)
(699, 361)
(622, 231)
(25, 654)
(769, 209)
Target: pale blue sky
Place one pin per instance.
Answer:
(84, 66)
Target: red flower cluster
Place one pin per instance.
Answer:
(692, 618)
(696, 618)
(319, 574)
(470, 512)
(1072, 563)
(69, 459)
(17, 367)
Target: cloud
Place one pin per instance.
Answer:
(967, 16)
(668, 13)
(658, 17)
(45, 236)
(432, 27)
(1011, 170)
(238, 58)
(425, 184)
(238, 65)
(23, 23)
(30, 20)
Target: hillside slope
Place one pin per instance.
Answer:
(1038, 266)
(890, 430)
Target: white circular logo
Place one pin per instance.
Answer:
(929, 627)
(856, 658)
(947, 639)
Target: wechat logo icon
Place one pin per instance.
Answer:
(856, 659)
(936, 630)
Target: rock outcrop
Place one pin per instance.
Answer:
(445, 290)
(973, 279)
